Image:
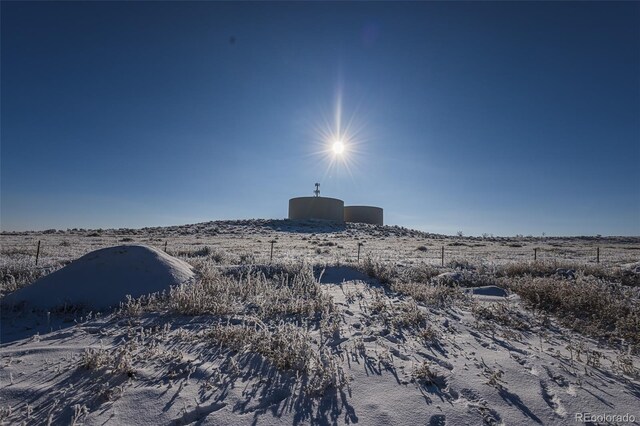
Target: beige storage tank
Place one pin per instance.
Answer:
(316, 208)
(363, 214)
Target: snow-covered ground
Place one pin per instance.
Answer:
(334, 347)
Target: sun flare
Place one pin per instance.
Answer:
(338, 147)
(339, 141)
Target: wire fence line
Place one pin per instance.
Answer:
(343, 250)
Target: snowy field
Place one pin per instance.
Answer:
(279, 322)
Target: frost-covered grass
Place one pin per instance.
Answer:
(276, 311)
(389, 255)
(261, 340)
(587, 304)
(617, 274)
(595, 300)
(20, 272)
(266, 293)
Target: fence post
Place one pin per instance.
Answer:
(38, 253)
(442, 256)
(598, 254)
(535, 254)
(271, 254)
(165, 246)
(359, 245)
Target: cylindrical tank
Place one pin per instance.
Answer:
(363, 214)
(316, 208)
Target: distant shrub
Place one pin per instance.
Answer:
(247, 259)
(202, 252)
(327, 244)
(216, 255)
(460, 264)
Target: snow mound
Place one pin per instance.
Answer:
(103, 278)
(340, 274)
(488, 290)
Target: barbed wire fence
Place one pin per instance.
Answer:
(44, 250)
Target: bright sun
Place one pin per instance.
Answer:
(338, 147)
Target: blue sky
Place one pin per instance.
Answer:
(504, 118)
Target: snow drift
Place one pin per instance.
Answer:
(103, 278)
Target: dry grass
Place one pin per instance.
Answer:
(436, 295)
(286, 347)
(269, 292)
(384, 272)
(215, 255)
(502, 313)
(115, 360)
(22, 273)
(551, 268)
(426, 375)
(278, 312)
(417, 282)
(421, 273)
(586, 304)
